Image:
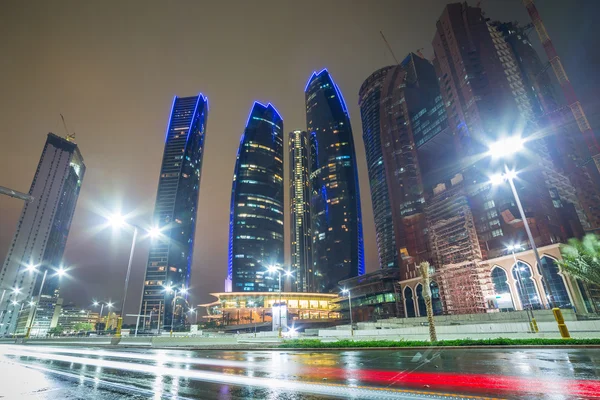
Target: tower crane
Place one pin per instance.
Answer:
(565, 83)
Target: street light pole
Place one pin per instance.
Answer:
(120, 319)
(510, 176)
(100, 317)
(280, 308)
(35, 306)
(532, 325)
(173, 311)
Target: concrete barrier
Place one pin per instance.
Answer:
(512, 330)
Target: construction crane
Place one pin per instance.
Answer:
(70, 136)
(17, 195)
(389, 47)
(565, 84)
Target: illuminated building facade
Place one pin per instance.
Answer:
(301, 256)
(41, 235)
(369, 98)
(256, 216)
(336, 223)
(244, 310)
(171, 255)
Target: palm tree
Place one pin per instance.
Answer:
(581, 258)
(425, 271)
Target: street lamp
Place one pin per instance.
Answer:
(119, 221)
(101, 304)
(347, 291)
(504, 149)
(169, 289)
(60, 272)
(288, 273)
(532, 322)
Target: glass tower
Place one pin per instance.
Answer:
(369, 103)
(256, 216)
(336, 223)
(300, 212)
(170, 256)
(41, 238)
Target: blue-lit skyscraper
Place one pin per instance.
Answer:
(369, 98)
(256, 221)
(336, 222)
(170, 257)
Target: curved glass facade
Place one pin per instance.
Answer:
(336, 223)
(369, 103)
(170, 257)
(256, 221)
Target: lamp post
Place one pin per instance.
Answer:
(60, 272)
(532, 321)
(504, 149)
(347, 291)
(109, 305)
(119, 221)
(176, 292)
(274, 268)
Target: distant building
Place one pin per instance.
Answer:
(241, 310)
(369, 99)
(171, 255)
(300, 234)
(41, 234)
(336, 227)
(256, 220)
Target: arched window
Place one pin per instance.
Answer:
(528, 293)
(409, 302)
(500, 281)
(584, 296)
(436, 300)
(560, 296)
(421, 301)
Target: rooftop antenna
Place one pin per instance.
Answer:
(388, 46)
(70, 136)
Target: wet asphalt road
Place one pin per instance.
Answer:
(41, 372)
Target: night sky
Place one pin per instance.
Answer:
(112, 69)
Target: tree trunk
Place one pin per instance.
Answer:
(424, 266)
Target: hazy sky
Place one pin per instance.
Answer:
(112, 69)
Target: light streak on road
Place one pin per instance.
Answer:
(326, 389)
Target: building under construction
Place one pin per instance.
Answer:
(461, 276)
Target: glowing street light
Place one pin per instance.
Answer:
(117, 221)
(506, 148)
(274, 268)
(176, 292)
(16, 290)
(154, 232)
(15, 303)
(31, 268)
(61, 271)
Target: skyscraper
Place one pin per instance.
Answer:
(416, 145)
(369, 98)
(336, 222)
(301, 260)
(171, 255)
(41, 235)
(256, 216)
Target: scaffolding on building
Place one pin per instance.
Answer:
(460, 273)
